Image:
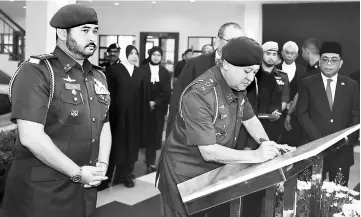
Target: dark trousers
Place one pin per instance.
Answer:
(332, 173)
(117, 173)
(150, 155)
(294, 136)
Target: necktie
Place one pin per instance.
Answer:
(329, 93)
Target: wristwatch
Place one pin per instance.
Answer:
(77, 177)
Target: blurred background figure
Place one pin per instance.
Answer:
(113, 57)
(207, 49)
(129, 91)
(159, 83)
(180, 65)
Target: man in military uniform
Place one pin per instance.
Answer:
(113, 55)
(60, 103)
(274, 126)
(212, 110)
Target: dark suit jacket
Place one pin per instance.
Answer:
(194, 67)
(315, 116)
(295, 83)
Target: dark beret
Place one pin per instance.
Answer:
(154, 49)
(242, 51)
(331, 47)
(113, 46)
(73, 15)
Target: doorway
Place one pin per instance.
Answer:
(168, 41)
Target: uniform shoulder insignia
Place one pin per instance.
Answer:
(206, 85)
(97, 67)
(44, 56)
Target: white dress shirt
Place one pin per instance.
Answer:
(129, 67)
(289, 69)
(333, 84)
(154, 73)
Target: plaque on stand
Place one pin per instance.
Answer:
(232, 181)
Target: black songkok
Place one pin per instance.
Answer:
(331, 47)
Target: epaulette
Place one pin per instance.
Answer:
(100, 70)
(37, 58)
(97, 67)
(206, 85)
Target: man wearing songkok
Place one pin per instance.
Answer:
(113, 55)
(60, 103)
(205, 128)
(330, 102)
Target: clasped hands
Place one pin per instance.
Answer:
(92, 176)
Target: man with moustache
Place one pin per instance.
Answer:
(113, 55)
(60, 103)
(330, 102)
(201, 140)
(197, 66)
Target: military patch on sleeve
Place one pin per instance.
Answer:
(207, 85)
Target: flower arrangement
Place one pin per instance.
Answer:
(336, 199)
(7, 141)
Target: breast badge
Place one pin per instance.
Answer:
(100, 88)
(69, 79)
(74, 113)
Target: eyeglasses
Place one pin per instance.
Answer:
(224, 38)
(332, 61)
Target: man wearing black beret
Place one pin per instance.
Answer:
(113, 57)
(212, 109)
(60, 103)
(330, 102)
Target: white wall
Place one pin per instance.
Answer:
(189, 19)
(15, 11)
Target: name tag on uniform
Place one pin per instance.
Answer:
(70, 86)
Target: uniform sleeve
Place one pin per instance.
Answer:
(197, 116)
(247, 111)
(30, 95)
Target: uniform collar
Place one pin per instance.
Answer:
(227, 91)
(68, 62)
(314, 66)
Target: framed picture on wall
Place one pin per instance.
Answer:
(197, 42)
(106, 40)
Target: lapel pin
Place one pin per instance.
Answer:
(342, 83)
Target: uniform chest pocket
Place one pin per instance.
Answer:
(104, 103)
(71, 110)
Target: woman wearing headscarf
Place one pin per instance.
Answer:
(128, 86)
(160, 90)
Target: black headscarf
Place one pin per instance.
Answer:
(151, 52)
(129, 49)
